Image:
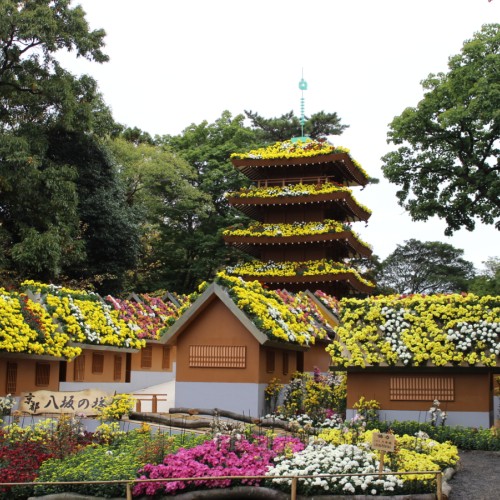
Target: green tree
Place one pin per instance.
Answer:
(317, 126)
(448, 160)
(34, 88)
(425, 267)
(192, 248)
(40, 207)
(488, 281)
(159, 187)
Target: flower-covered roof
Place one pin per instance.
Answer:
(297, 272)
(280, 315)
(149, 316)
(26, 327)
(257, 235)
(418, 330)
(84, 316)
(309, 153)
(255, 201)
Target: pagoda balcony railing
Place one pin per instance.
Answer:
(286, 181)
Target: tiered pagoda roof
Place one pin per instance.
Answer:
(303, 207)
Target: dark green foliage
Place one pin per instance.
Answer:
(465, 438)
(424, 267)
(318, 126)
(447, 163)
(487, 282)
(109, 226)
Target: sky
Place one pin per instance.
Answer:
(174, 63)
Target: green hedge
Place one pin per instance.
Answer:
(465, 438)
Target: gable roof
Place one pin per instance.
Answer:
(214, 291)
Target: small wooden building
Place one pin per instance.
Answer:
(464, 393)
(225, 361)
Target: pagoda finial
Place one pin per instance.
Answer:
(302, 87)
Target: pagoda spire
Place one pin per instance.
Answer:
(302, 87)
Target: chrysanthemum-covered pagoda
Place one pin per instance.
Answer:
(303, 208)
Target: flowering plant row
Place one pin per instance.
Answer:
(25, 326)
(331, 303)
(287, 268)
(289, 149)
(146, 317)
(298, 149)
(258, 229)
(221, 456)
(91, 322)
(416, 330)
(280, 317)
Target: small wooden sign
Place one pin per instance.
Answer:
(84, 402)
(383, 441)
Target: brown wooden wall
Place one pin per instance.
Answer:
(465, 392)
(215, 328)
(294, 213)
(317, 356)
(25, 375)
(97, 366)
(155, 358)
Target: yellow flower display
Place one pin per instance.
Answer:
(258, 229)
(412, 453)
(281, 316)
(298, 149)
(288, 268)
(25, 326)
(415, 330)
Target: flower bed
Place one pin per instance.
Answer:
(416, 330)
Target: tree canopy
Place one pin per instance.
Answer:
(317, 126)
(424, 267)
(448, 160)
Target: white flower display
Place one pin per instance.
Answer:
(321, 458)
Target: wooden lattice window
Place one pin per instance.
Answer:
(165, 360)
(42, 374)
(422, 388)
(117, 368)
(285, 363)
(270, 361)
(79, 368)
(217, 356)
(147, 357)
(97, 363)
(11, 378)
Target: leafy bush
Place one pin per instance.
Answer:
(107, 462)
(19, 462)
(465, 438)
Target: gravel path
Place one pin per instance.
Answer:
(478, 476)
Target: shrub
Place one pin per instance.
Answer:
(465, 438)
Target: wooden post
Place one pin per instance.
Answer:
(439, 483)
(138, 406)
(129, 491)
(154, 404)
(381, 463)
(293, 495)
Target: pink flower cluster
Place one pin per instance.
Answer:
(150, 315)
(222, 456)
(301, 305)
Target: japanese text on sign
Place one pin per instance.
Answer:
(84, 402)
(383, 441)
